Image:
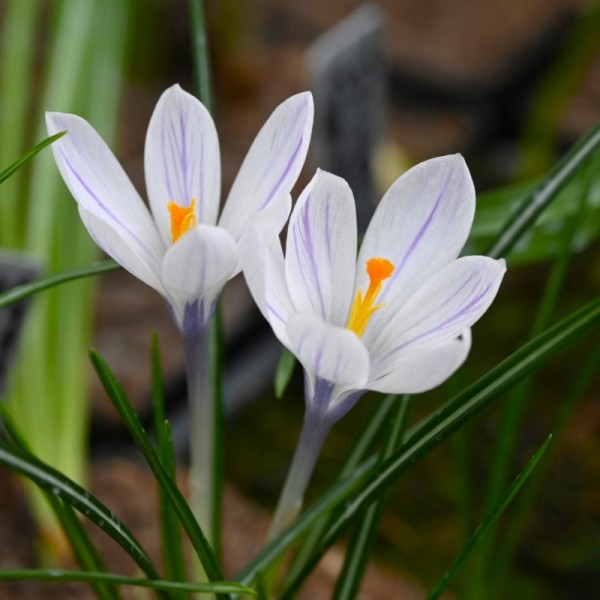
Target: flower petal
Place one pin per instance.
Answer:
(102, 189)
(321, 249)
(422, 370)
(197, 266)
(453, 300)
(126, 253)
(181, 159)
(420, 225)
(272, 164)
(261, 257)
(332, 353)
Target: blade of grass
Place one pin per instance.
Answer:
(61, 576)
(50, 480)
(83, 549)
(283, 372)
(12, 169)
(172, 545)
(131, 421)
(368, 481)
(490, 519)
(24, 291)
(202, 76)
(361, 542)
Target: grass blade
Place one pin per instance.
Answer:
(200, 53)
(12, 169)
(24, 291)
(283, 372)
(61, 576)
(131, 421)
(369, 481)
(489, 521)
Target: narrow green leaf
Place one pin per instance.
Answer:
(490, 519)
(202, 76)
(81, 544)
(24, 291)
(368, 481)
(537, 200)
(131, 421)
(4, 175)
(61, 576)
(68, 491)
(172, 544)
(284, 372)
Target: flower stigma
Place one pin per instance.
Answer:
(183, 218)
(378, 269)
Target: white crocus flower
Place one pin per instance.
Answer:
(181, 246)
(395, 319)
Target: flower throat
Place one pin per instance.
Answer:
(183, 218)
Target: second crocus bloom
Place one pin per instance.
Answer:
(394, 318)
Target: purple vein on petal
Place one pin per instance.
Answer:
(164, 136)
(184, 156)
(113, 217)
(273, 311)
(276, 188)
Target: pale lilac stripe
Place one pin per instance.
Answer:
(113, 217)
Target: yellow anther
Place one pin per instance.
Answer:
(183, 218)
(363, 309)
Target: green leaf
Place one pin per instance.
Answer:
(284, 372)
(131, 421)
(24, 291)
(172, 545)
(61, 576)
(538, 198)
(369, 481)
(491, 518)
(4, 175)
(50, 480)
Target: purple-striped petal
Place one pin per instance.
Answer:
(261, 258)
(271, 166)
(420, 225)
(197, 266)
(321, 249)
(105, 194)
(450, 302)
(181, 160)
(332, 353)
(422, 370)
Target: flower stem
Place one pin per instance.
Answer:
(314, 432)
(204, 474)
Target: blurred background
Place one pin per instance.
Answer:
(509, 84)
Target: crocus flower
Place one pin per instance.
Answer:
(394, 319)
(181, 246)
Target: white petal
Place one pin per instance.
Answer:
(181, 159)
(330, 352)
(101, 187)
(320, 254)
(197, 267)
(420, 225)
(271, 166)
(261, 258)
(122, 249)
(422, 370)
(453, 300)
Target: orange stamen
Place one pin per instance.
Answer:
(183, 218)
(363, 309)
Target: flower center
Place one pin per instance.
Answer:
(183, 218)
(363, 309)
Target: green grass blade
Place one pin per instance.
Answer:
(50, 480)
(202, 76)
(131, 421)
(61, 576)
(172, 545)
(369, 481)
(24, 291)
(538, 199)
(284, 371)
(361, 542)
(4, 175)
(81, 544)
(489, 521)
